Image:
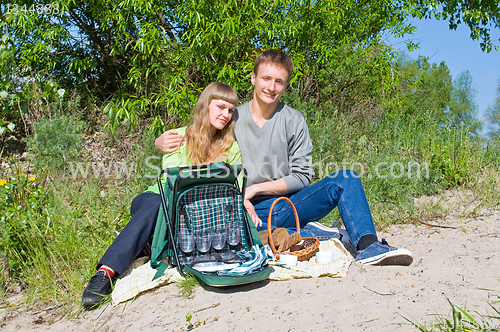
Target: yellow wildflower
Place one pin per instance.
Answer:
(32, 178)
(2, 182)
(23, 175)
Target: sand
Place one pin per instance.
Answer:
(449, 263)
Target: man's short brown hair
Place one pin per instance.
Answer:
(276, 57)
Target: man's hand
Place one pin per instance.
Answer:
(251, 211)
(274, 188)
(169, 141)
(251, 191)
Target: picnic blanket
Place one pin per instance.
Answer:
(139, 276)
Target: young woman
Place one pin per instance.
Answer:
(208, 138)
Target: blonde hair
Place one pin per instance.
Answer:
(203, 147)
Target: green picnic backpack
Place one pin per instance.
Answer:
(201, 200)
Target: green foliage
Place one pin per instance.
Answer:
(417, 149)
(55, 228)
(54, 232)
(492, 153)
(428, 91)
(56, 141)
(479, 16)
(25, 99)
(9, 101)
(149, 59)
(148, 160)
(493, 116)
(438, 118)
(463, 110)
(22, 202)
(462, 321)
(153, 58)
(299, 27)
(372, 148)
(187, 287)
(425, 88)
(356, 80)
(456, 158)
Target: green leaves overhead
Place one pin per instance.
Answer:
(479, 15)
(150, 59)
(153, 57)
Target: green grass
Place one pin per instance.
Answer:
(462, 320)
(54, 245)
(187, 286)
(55, 228)
(448, 158)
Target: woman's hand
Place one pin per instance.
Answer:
(251, 211)
(169, 141)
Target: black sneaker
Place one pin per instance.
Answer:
(99, 286)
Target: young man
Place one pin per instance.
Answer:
(276, 150)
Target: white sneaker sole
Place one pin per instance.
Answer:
(400, 256)
(324, 228)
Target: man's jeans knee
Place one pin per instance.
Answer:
(342, 189)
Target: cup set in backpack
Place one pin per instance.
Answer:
(203, 240)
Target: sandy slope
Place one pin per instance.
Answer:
(451, 263)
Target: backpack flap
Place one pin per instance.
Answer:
(211, 173)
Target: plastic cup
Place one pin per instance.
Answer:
(290, 260)
(323, 257)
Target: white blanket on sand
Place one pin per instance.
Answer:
(139, 276)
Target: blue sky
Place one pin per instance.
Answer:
(457, 49)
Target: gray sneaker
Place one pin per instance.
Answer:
(381, 253)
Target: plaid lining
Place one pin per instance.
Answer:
(209, 206)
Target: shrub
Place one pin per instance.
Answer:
(55, 141)
(22, 202)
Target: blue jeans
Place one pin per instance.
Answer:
(342, 189)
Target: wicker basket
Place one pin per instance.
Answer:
(303, 254)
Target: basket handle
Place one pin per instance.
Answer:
(271, 243)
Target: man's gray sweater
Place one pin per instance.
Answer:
(282, 148)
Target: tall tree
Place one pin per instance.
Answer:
(493, 116)
(462, 110)
(429, 91)
(425, 88)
